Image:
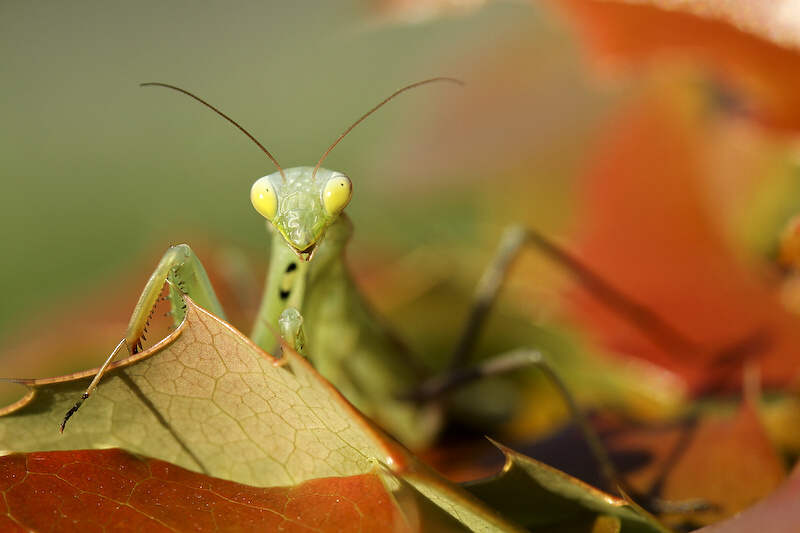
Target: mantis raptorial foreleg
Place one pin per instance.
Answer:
(338, 330)
(180, 268)
(303, 207)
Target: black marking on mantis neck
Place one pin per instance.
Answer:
(223, 115)
(371, 111)
(287, 281)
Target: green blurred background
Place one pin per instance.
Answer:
(99, 175)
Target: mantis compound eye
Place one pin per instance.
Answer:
(264, 198)
(336, 194)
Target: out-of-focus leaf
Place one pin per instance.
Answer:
(725, 461)
(87, 490)
(648, 225)
(413, 11)
(750, 44)
(209, 400)
(544, 499)
(777, 513)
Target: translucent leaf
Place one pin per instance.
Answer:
(208, 400)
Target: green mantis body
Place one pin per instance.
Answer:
(312, 299)
(310, 292)
(308, 278)
(346, 341)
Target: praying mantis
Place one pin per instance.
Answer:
(311, 298)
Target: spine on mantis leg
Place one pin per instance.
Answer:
(186, 274)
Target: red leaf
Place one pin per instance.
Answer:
(92, 490)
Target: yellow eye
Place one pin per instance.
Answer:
(264, 198)
(336, 194)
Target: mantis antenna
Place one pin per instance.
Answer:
(371, 111)
(229, 119)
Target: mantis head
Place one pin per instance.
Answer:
(301, 205)
(301, 202)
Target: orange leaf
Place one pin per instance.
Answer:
(647, 227)
(91, 489)
(745, 42)
(727, 462)
(778, 513)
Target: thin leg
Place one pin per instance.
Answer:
(650, 323)
(517, 360)
(186, 275)
(511, 244)
(93, 385)
(486, 292)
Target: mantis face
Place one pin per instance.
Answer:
(301, 202)
(301, 205)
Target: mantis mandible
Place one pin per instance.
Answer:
(310, 294)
